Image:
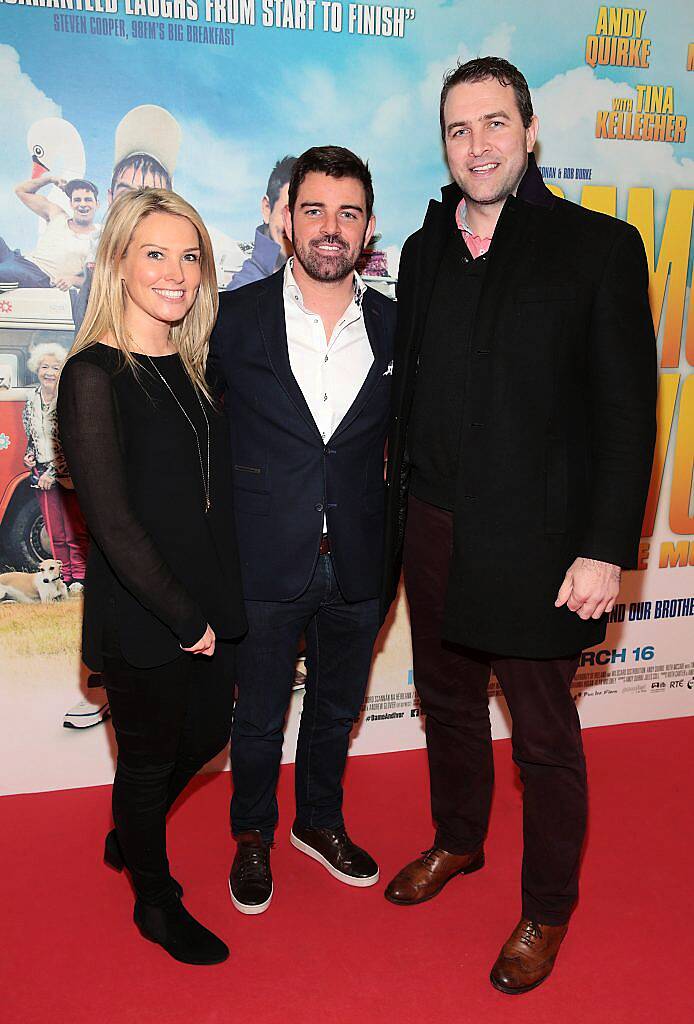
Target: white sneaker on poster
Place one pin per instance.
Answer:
(300, 674)
(88, 712)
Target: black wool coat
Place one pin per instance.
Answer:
(558, 420)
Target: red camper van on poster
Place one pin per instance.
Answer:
(28, 316)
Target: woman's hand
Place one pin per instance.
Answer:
(205, 644)
(45, 481)
(30, 460)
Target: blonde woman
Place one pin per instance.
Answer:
(64, 522)
(147, 450)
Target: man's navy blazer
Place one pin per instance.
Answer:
(286, 478)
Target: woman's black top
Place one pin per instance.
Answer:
(164, 565)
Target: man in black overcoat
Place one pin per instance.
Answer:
(519, 460)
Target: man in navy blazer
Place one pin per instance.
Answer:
(304, 359)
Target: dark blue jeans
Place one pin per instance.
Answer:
(15, 267)
(339, 644)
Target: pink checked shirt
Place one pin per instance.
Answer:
(477, 246)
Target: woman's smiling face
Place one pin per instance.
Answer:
(48, 372)
(161, 268)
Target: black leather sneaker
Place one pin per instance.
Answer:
(337, 853)
(250, 879)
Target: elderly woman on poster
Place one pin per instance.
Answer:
(65, 526)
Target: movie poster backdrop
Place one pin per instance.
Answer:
(206, 97)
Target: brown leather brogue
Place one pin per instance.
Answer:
(527, 958)
(425, 877)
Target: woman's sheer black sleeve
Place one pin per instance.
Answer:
(89, 435)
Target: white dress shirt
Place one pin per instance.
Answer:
(330, 372)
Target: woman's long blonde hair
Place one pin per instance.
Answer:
(105, 314)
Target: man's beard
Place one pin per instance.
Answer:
(326, 268)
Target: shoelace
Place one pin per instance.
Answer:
(254, 862)
(428, 856)
(531, 931)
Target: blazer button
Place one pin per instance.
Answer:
(318, 507)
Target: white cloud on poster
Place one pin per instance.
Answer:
(28, 104)
(390, 115)
(499, 41)
(314, 102)
(211, 163)
(219, 175)
(567, 106)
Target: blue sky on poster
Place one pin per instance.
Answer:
(277, 91)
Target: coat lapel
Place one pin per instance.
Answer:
(373, 321)
(429, 256)
(270, 307)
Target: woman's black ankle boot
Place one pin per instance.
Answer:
(177, 931)
(113, 856)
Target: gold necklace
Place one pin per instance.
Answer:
(205, 481)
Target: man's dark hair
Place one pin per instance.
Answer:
(479, 70)
(141, 162)
(280, 176)
(76, 184)
(336, 162)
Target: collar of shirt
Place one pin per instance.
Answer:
(477, 245)
(292, 290)
(47, 408)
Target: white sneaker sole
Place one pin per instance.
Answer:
(360, 883)
(245, 908)
(87, 719)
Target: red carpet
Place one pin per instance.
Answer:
(328, 953)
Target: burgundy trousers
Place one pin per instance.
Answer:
(67, 530)
(452, 684)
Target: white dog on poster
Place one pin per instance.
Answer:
(43, 585)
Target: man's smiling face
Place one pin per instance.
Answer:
(487, 144)
(83, 203)
(328, 225)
